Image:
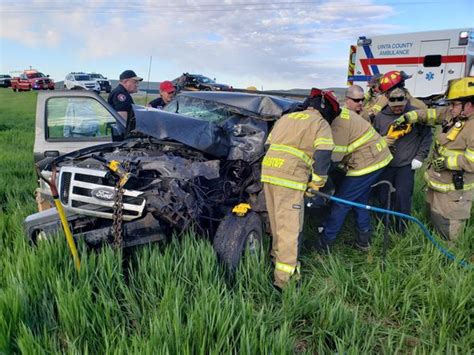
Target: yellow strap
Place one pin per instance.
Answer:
(293, 151)
(323, 141)
(367, 136)
(283, 182)
(285, 267)
(442, 187)
(371, 168)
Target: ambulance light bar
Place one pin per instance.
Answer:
(463, 38)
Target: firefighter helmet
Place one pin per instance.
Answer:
(391, 80)
(461, 89)
(325, 102)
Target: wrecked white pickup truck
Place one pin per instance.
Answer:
(191, 165)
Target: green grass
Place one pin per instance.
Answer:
(175, 298)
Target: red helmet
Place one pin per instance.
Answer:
(390, 80)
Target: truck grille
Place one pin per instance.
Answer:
(87, 192)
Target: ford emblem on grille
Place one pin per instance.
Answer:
(103, 194)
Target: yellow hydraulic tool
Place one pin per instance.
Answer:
(116, 168)
(62, 216)
(241, 209)
(400, 131)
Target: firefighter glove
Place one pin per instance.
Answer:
(439, 164)
(313, 186)
(416, 164)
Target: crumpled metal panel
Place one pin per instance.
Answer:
(246, 137)
(177, 167)
(199, 134)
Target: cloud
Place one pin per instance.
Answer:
(277, 44)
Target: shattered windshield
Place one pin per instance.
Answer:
(195, 107)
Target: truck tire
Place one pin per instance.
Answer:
(235, 235)
(14, 89)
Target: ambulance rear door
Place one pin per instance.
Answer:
(429, 77)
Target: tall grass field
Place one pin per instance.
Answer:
(176, 299)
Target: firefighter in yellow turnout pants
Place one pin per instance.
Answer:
(450, 176)
(298, 156)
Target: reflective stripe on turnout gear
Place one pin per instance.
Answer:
(367, 136)
(371, 168)
(283, 182)
(443, 187)
(431, 117)
(285, 268)
(323, 141)
(452, 155)
(293, 151)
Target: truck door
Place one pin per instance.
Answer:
(431, 69)
(70, 120)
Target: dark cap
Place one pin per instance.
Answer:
(130, 74)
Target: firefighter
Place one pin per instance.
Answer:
(396, 79)
(450, 175)
(410, 147)
(372, 94)
(354, 98)
(299, 150)
(363, 154)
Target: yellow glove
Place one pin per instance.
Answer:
(400, 121)
(313, 186)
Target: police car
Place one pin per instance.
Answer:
(103, 82)
(83, 80)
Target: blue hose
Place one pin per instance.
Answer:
(448, 254)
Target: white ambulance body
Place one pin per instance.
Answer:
(432, 58)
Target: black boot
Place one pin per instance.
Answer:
(322, 247)
(362, 241)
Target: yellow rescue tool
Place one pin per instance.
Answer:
(400, 131)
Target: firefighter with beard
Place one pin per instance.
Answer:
(298, 157)
(450, 175)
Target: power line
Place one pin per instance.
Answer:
(180, 8)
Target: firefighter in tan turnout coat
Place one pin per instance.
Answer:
(450, 176)
(298, 157)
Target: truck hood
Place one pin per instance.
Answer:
(193, 132)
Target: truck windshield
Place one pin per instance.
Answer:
(204, 80)
(35, 75)
(96, 76)
(82, 77)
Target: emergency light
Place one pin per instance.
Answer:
(463, 38)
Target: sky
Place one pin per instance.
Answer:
(267, 44)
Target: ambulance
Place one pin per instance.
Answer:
(431, 58)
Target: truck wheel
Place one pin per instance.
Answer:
(14, 89)
(235, 235)
(207, 89)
